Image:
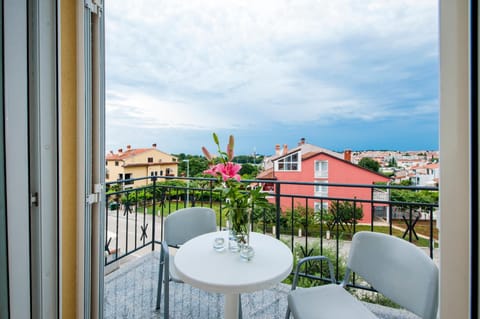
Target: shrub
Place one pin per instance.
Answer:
(343, 214)
(317, 269)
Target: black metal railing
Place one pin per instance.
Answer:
(308, 223)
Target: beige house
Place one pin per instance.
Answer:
(139, 162)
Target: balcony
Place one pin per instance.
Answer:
(134, 232)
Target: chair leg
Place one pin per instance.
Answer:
(160, 279)
(166, 289)
(288, 313)
(240, 315)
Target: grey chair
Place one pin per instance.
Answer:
(394, 267)
(179, 227)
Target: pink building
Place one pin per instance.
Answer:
(310, 163)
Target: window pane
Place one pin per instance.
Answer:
(321, 169)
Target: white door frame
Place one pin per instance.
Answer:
(91, 158)
(16, 156)
(30, 84)
(43, 146)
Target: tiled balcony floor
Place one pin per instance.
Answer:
(130, 292)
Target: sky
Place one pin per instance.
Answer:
(343, 74)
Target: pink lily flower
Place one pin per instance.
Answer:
(213, 170)
(229, 170)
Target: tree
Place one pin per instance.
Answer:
(243, 159)
(196, 165)
(300, 216)
(406, 200)
(406, 182)
(343, 214)
(369, 163)
(414, 196)
(392, 162)
(248, 171)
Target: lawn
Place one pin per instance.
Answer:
(422, 228)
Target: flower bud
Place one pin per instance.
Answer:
(231, 143)
(206, 153)
(215, 138)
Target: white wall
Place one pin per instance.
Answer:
(455, 166)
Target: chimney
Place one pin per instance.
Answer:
(285, 149)
(277, 149)
(120, 151)
(154, 145)
(129, 147)
(111, 152)
(302, 141)
(347, 155)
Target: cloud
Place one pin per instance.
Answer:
(200, 64)
(132, 108)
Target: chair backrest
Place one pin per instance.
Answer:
(187, 223)
(397, 269)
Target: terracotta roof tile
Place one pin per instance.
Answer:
(267, 174)
(126, 154)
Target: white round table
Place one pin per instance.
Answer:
(199, 265)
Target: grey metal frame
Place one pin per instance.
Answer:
(4, 308)
(43, 146)
(394, 267)
(301, 262)
(93, 152)
(179, 227)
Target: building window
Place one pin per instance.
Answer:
(320, 206)
(106, 163)
(321, 190)
(150, 159)
(120, 176)
(161, 173)
(128, 176)
(289, 163)
(321, 169)
(168, 171)
(116, 163)
(156, 173)
(151, 173)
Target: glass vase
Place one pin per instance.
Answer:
(239, 229)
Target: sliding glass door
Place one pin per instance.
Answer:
(3, 214)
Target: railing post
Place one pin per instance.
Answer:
(277, 204)
(432, 241)
(410, 224)
(154, 213)
(354, 216)
(390, 218)
(372, 208)
(106, 227)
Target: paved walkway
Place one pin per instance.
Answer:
(130, 292)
